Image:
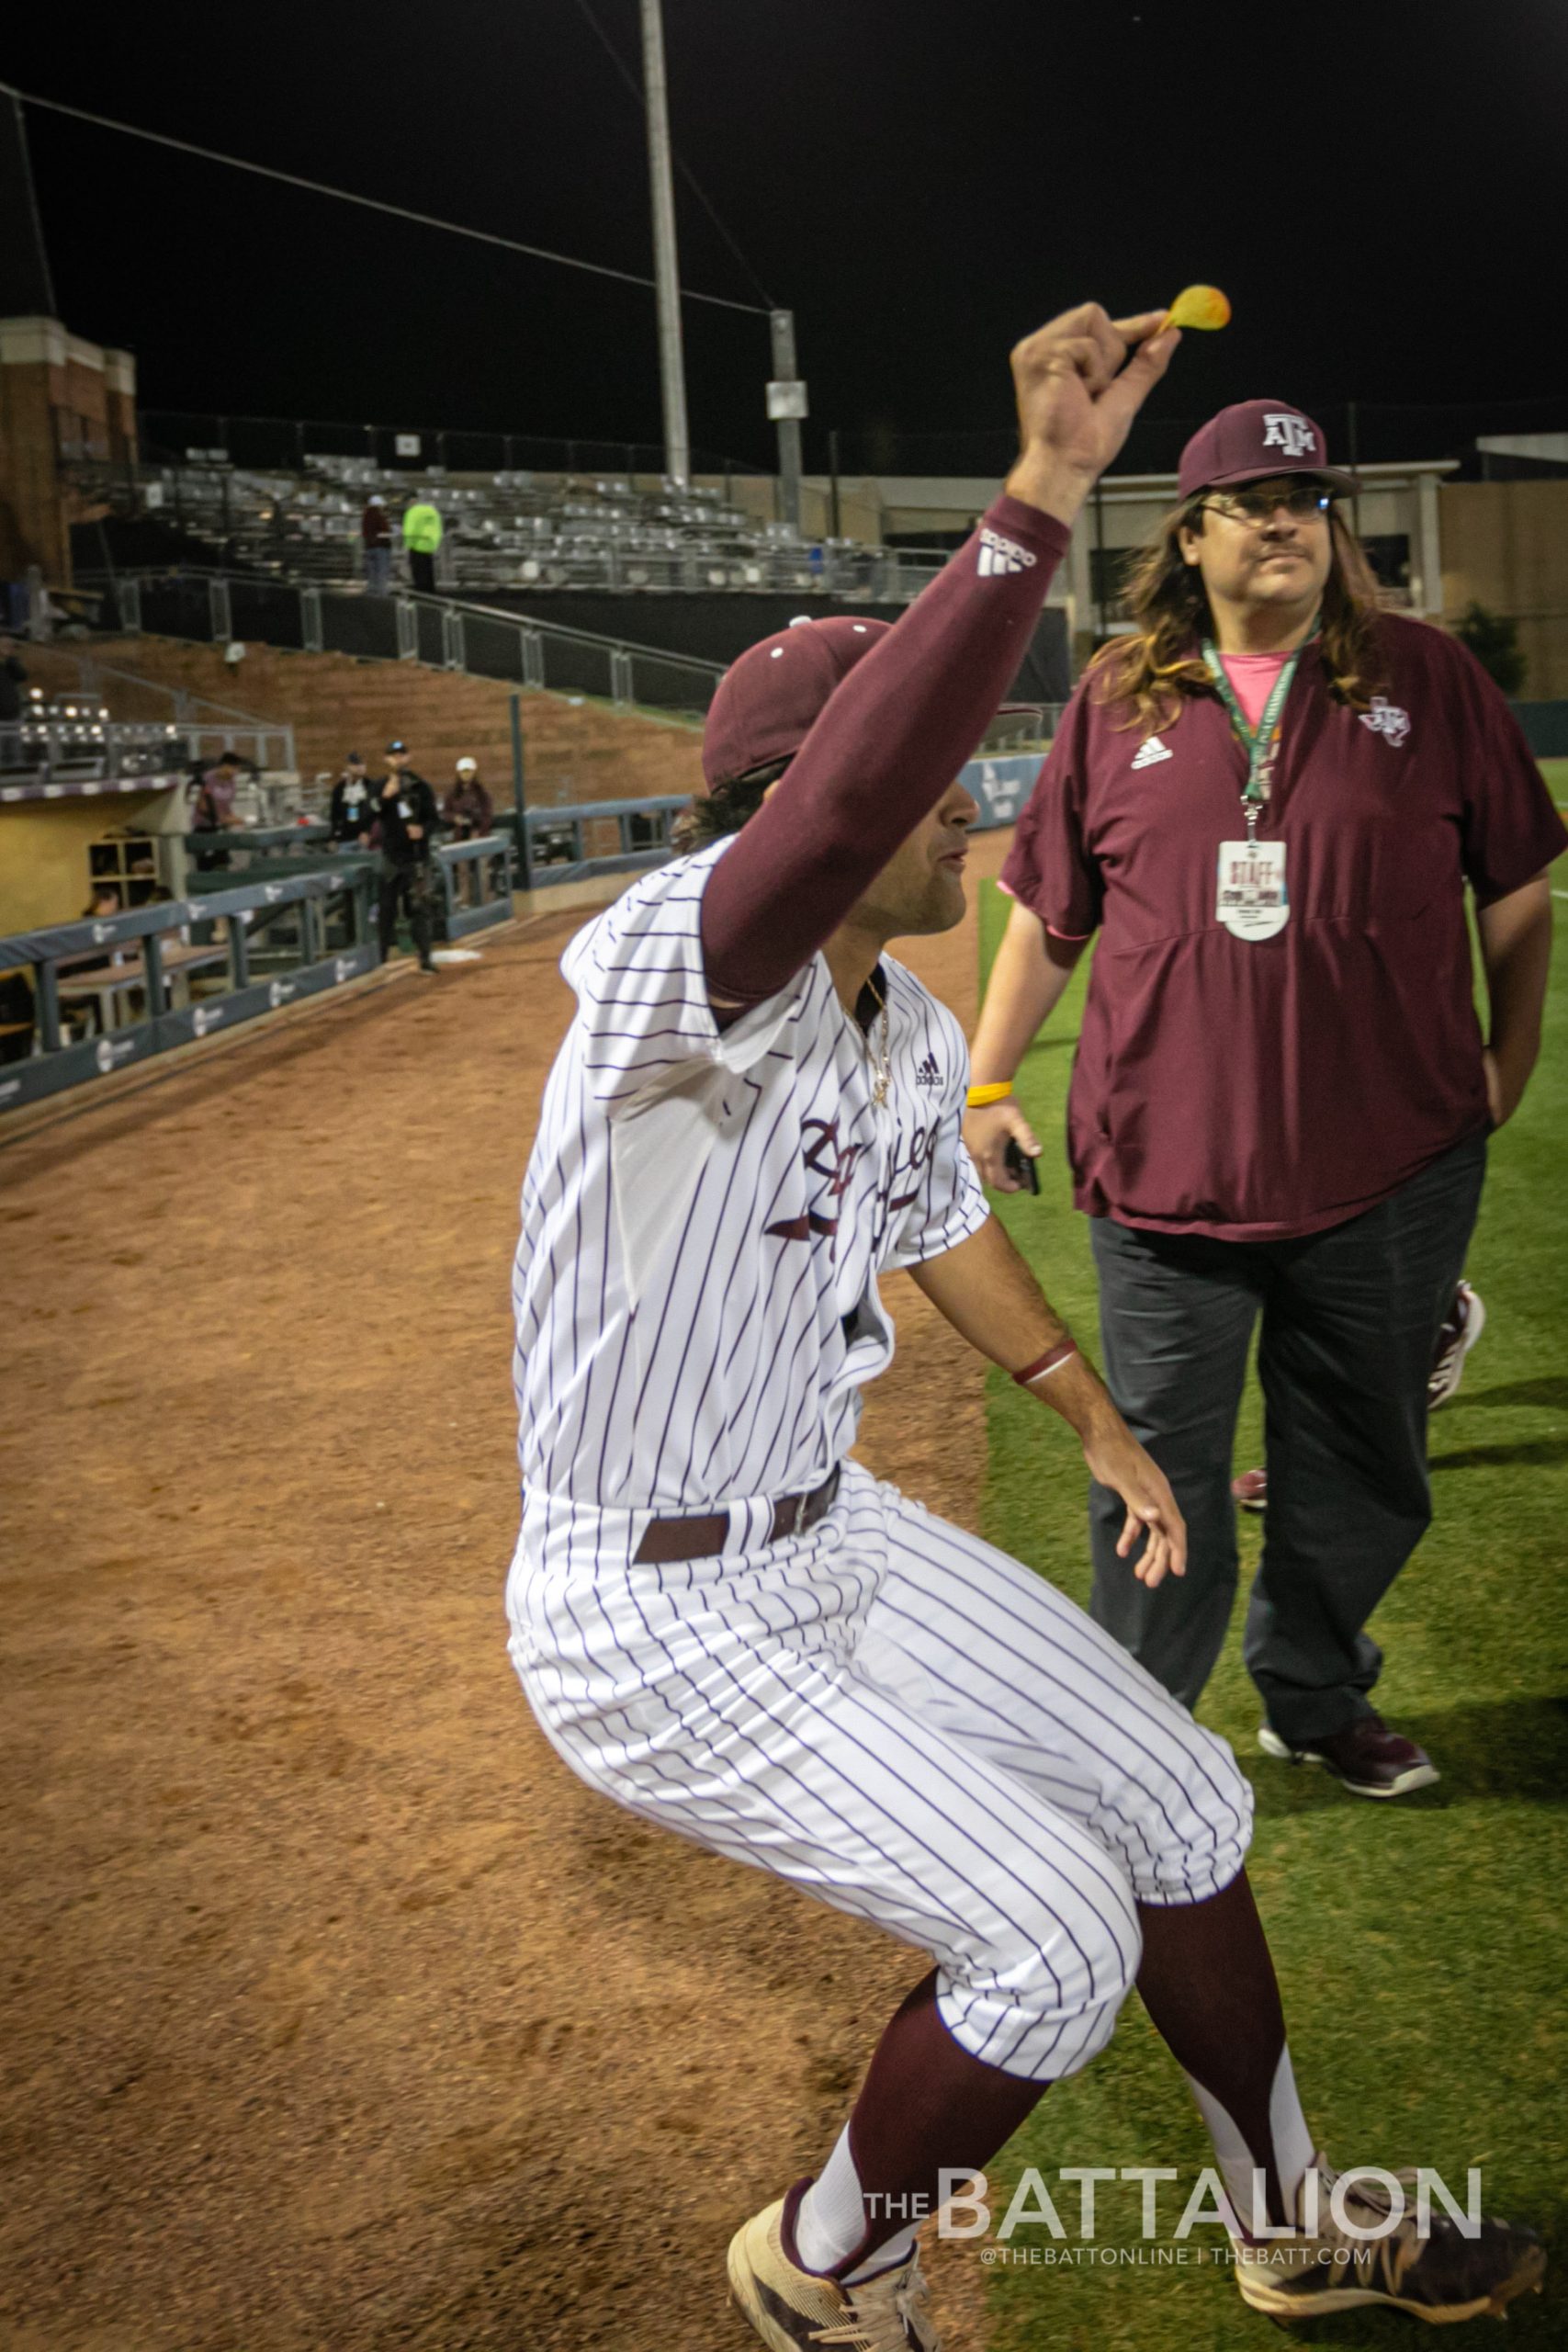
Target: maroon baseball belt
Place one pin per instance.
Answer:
(669, 1540)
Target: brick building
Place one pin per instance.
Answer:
(64, 402)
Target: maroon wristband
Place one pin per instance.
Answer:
(1052, 1360)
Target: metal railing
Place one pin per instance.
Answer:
(58, 758)
(476, 885)
(560, 845)
(474, 876)
(55, 758)
(100, 966)
(556, 847)
(212, 607)
(196, 714)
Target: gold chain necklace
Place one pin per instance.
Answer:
(881, 1061)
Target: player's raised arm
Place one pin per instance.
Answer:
(911, 712)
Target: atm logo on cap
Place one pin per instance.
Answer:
(1291, 433)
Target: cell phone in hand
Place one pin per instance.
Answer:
(1017, 1162)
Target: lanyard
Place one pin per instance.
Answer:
(1260, 744)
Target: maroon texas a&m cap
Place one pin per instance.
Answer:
(770, 699)
(1253, 441)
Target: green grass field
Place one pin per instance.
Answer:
(1420, 1943)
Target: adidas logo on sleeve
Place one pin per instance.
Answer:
(997, 554)
(1150, 751)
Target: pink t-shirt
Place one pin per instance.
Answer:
(1251, 676)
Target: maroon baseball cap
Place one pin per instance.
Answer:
(1253, 441)
(770, 699)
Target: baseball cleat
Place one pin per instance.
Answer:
(1462, 1326)
(805, 2311)
(1441, 2278)
(1371, 1760)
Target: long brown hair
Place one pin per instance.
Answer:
(1153, 670)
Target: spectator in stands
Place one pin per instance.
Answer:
(13, 678)
(422, 537)
(352, 816)
(375, 531)
(468, 812)
(214, 810)
(406, 818)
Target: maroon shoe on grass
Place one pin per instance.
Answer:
(1371, 1760)
(1462, 1326)
(1250, 1491)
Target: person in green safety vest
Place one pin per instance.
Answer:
(421, 537)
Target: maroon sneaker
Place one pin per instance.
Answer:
(1462, 1326)
(1250, 1491)
(1371, 1760)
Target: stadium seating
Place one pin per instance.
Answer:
(511, 530)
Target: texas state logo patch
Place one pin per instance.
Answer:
(1386, 718)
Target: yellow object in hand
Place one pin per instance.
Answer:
(1198, 306)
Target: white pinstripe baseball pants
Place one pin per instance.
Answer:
(903, 1721)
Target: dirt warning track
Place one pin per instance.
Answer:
(339, 2013)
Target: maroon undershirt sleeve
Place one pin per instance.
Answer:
(883, 752)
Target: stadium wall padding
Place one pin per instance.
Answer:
(717, 627)
(1546, 727)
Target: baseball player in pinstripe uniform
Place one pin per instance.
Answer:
(727, 1626)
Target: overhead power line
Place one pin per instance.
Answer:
(634, 86)
(371, 203)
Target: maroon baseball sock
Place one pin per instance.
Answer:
(926, 2107)
(1207, 1980)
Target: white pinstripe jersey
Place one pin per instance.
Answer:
(705, 1216)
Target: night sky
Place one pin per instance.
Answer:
(1382, 189)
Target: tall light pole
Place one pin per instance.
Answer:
(786, 406)
(666, 272)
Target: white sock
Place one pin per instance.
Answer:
(831, 2223)
(1293, 2144)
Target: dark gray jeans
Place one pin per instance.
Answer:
(1351, 1319)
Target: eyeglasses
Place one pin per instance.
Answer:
(1255, 508)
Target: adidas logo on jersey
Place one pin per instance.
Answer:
(1150, 751)
(927, 1074)
(997, 554)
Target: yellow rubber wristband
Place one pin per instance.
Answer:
(978, 1097)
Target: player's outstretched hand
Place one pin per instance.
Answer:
(1077, 394)
(988, 1133)
(1119, 1462)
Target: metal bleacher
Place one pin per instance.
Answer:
(508, 529)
